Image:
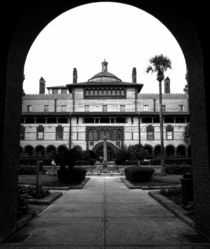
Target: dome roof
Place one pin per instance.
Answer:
(104, 76)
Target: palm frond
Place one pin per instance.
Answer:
(149, 68)
(160, 63)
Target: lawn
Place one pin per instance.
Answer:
(31, 179)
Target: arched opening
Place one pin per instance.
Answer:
(62, 148)
(28, 150)
(149, 149)
(111, 151)
(170, 151)
(181, 151)
(50, 150)
(157, 151)
(40, 151)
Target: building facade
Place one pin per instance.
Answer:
(104, 106)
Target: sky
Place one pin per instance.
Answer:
(83, 37)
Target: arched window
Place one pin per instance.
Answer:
(102, 134)
(107, 134)
(59, 132)
(150, 132)
(169, 132)
(40, 132)
(114, 135)
(119, 135)
(92, 135)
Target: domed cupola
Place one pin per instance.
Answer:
(104, 75)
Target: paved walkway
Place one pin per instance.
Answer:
(106, 214)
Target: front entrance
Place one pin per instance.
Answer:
(111, 151)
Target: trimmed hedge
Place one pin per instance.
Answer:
(130, 162)
(138, 174)
(72, 175)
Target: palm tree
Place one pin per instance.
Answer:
(159, 64)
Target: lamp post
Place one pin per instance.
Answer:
(160, 77)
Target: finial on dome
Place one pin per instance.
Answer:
(104, 66)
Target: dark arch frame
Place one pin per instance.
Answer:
(25, 23)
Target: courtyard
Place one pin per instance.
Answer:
(107, 214)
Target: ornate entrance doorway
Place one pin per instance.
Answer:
(111, 150)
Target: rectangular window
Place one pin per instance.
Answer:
(146, 108)
(122, 108)
(40, 135)
(29, 108)
(63, 108)
(46, 108)
(163, 108)
(54, 91)
(169, 135)
(181, 108)
(104, 108)
(59, 132)
(87, 108)
(91, 92)
(63, 90)
(150, 135)
(100, 92)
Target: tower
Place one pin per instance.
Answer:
(104, 66)
(134, 74)
(74, 75)
(42, 86)
(167, 85)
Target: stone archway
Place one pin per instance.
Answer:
(25, 22)
(111, 150)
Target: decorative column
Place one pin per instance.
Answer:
(105, 151)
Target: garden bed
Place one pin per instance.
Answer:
(148, 185)
(62, 186)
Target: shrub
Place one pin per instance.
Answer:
(130, 162)
(178, 169)
(72, 175)
(122, 155)
(82, 162)
(138, 174)
(22, 201)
